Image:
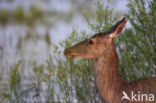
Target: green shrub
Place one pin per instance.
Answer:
(137, 57)
(4, 16)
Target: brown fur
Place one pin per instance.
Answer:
(110, 84)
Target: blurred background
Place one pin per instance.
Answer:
(27, 27)
(34, 33)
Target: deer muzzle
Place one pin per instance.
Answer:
(80, 50)
(68, 53)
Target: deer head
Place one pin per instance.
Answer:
(97, 44)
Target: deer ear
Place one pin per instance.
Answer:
(117, 28)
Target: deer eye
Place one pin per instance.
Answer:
(91, 42)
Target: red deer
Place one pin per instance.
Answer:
(112, 87)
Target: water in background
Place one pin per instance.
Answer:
(32, 42)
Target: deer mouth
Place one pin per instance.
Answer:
(69, 54)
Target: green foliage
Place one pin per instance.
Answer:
(137, 45)
(35, 15)
(14, 93)
(36, 12)
(19, 14)
(104, 17)
(47, 37)
(4, 16)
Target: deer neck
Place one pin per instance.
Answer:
(107, 77)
